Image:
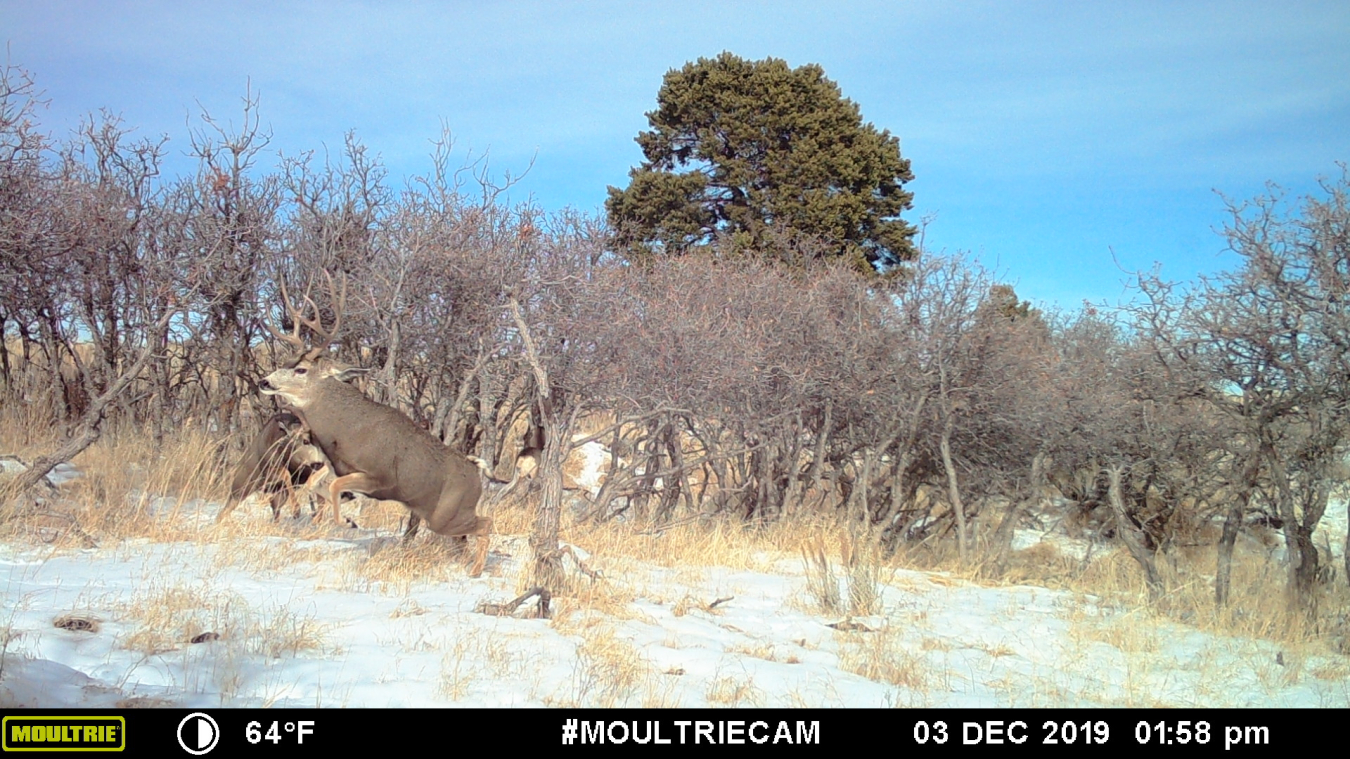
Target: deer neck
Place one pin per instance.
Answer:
(334, 405)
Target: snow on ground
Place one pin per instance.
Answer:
(312, 622)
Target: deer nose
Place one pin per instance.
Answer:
(265, 385)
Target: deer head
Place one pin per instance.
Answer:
(296, 381)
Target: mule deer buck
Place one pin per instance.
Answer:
(279, 458)
(374, 449)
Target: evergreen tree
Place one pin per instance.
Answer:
(763, 153)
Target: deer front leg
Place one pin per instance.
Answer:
(356, 482)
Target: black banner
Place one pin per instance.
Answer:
(320, 732)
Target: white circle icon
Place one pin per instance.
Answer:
(198, 733)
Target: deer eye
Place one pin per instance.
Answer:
(301, 371)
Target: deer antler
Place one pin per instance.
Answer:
(293, 339)
(325, 336)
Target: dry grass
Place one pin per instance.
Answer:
(457, 669)
(25, 429)
(591, 601)
(882, 656)
(129, 485)
(732, 690)
(1133, 633)
(821, 584)
(1257, 605)
(1333, 671)
(479, 658)
(514, 518)
(610, 672)
(164, 619)
(763, 651)
(393, 567)
(863, 569)
(135, 487)
(716, 543)
(274, 556)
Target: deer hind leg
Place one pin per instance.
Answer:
(311, 490)
(356, 482)
(414, 522)
(483, 531)
(229, 506)
(284, 495)
(294, 492)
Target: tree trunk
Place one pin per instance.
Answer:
(680, 482)
(1133, 537)
(954, 492)
(491, 448)
(1231, 524)
(818, 453)
(1305, 576)
(544, 539)
(1003, 534)
(51, 348)
(456, 411)
(4, 355)
(865, 486)
(1299, 596)
(387, 392)
(548, 571)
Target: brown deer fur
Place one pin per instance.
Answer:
(378, 451)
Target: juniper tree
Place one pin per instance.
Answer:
(764, 153)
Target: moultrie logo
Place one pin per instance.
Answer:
(38, 733)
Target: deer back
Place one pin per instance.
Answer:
(360, 435)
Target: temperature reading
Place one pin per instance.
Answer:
(276, 731)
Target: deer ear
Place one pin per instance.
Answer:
(347, 373)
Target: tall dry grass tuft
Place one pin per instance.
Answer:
(515, 516)
(128, 484)
(25, 432)
(394, 567)
(135, 486)
(611, 672)
(821, 583)
(26, 428)
(861, 563)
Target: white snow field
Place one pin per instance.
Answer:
(350, 618)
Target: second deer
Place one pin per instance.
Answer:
(280, 458)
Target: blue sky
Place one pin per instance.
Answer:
(1055, 142)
